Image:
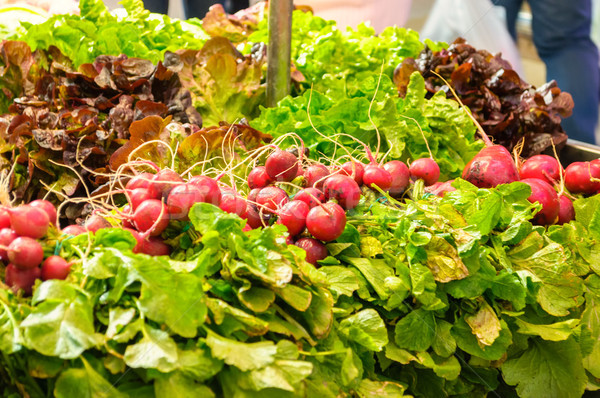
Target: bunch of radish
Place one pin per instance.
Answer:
(494, 165)
(21, 228)
(155, 199)
(317, 213)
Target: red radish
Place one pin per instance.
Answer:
(271, 199)
(440, 188)
(48, 207)
(143, 180)
(74, 230)
(314, 175)
(55, 267)
(282, 166)
(254, 218)
(343, 189)
(545, 194)
(233, 203)
(353, 169)
(21, 279)
(138, 238)
(311, 196)
(253, 194)
(400, 177)
(209, 187)
(95, 222)
(25, 252)
(7, 235)
(258, 178)
(566, 212)
(247, 228)
(492, 166)
(293, 216)
(154, 246)
(138, 195)
(181, 199)
(377, 175)
(326, 222)
(148, 214)
(29, 221)
(542, 167)
(126, 223)
(425, 169)
(315, 250)
(4, 218)
(578, 177)
(164, 181)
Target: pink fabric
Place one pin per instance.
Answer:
(381, 13)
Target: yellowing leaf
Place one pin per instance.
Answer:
(444, 262)
(484, 324)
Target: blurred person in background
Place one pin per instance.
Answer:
(380, 13)
(196, 8)
(561, 34)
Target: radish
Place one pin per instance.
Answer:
(377, 175)
(258, 178)
(314, 175)
(233, 203)
(154, 246)
(293, 216)
(400, 177)
(4, 218)
(425, 169)
(282, 166)
(566, 212)
(353, 169)
(440, 188)
(181, 199)
(7, 235)
(545, 194)
(95, 222)
(271, 199)
(578, 177)
(74, 230)
(315, 250)
(21, 279)
(126, 222)
(491, 167)
(151, 216)
(139, 195)
(255, 219)
(48, 207)
(55, 267)
(343, 189)
(25, 252)
(542, 167)
(164, 181)
(143, 180)
(326, 222)
(138, 238)
(311, 196)
(29, 221)
(253, 194)
(209, 187)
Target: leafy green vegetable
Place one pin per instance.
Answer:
(95, 31)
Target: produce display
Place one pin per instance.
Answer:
(164, 234)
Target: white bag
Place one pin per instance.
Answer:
(481, 23)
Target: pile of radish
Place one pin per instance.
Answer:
(21, 228)
(316, 213)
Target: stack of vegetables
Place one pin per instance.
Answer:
(163, 234)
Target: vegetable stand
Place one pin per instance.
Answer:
(164, 233)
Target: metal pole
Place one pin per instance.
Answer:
(279, 50)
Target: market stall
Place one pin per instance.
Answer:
(187, 212)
